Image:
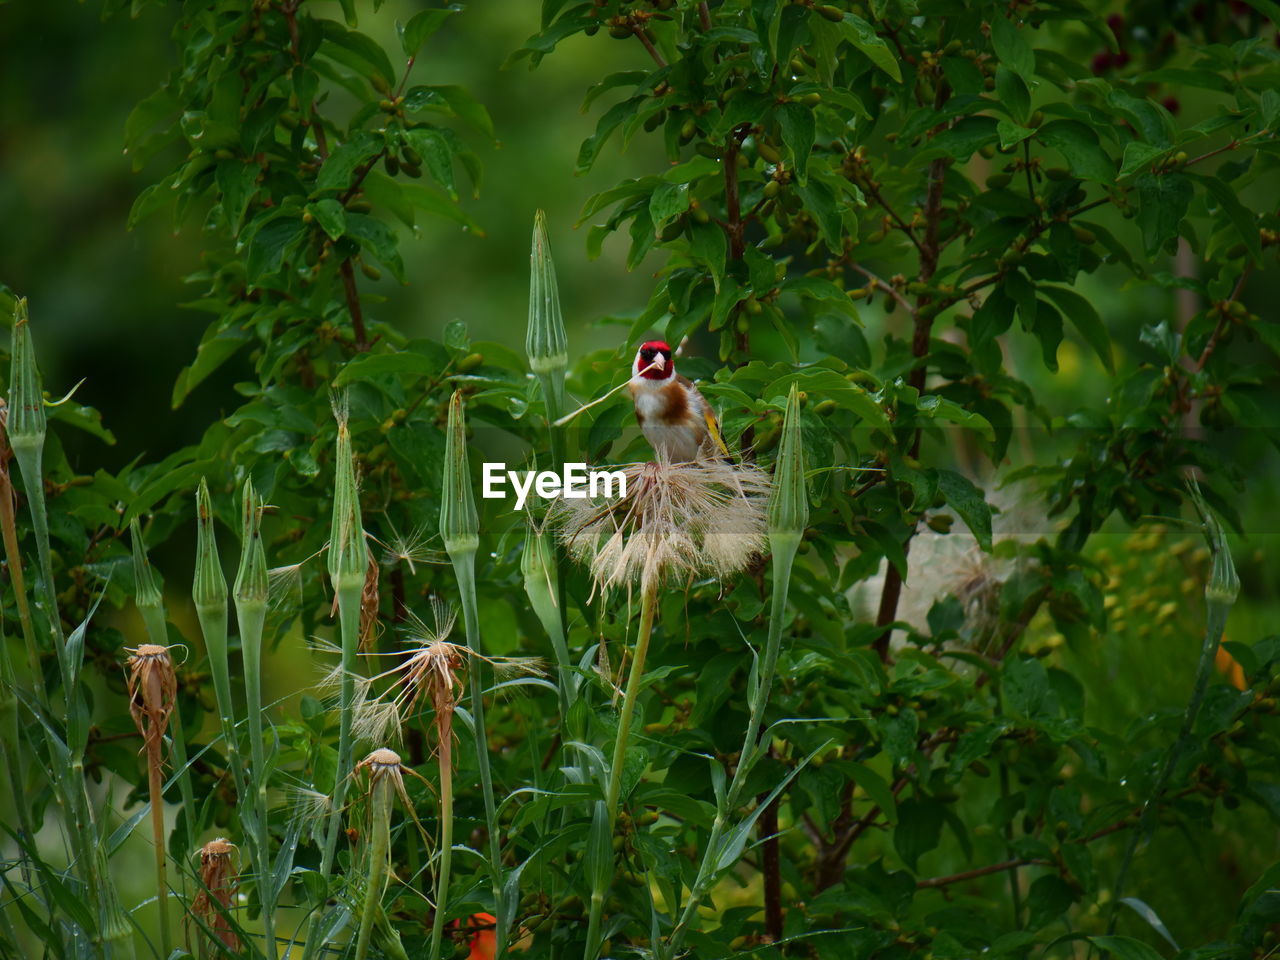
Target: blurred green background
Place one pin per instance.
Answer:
(105, 301)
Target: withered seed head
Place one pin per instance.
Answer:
(218, 879)
(153, 690)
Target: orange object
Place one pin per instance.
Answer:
(1230, 667)
(484, 945)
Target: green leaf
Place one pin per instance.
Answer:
(935, 407)
(1152, 122)
(378, 239)
(1139, 156)
(961, 140)
(270, 242)
(1011, 134)
(465, 107)
(434, 202)
(863, 37)
(1012, 93)
(1125, 948)
(798, 132)
(337, 170)
(1025, 687)
(1229, 205)
(331, 216)
(612, 119)
(821, 202)
(212, 353)
(707, 243)
(147, 114)
(359, 52)
(898, 735)
(669, 200)
(237, 182)
(827, 384)
(1085, 319)
(370, 366)
(1080, 148)
(1013, 48)
(1049, 898)
(437, 153)
(420, 26)
(875, 787)
(919, 829)
(1162, 203)
(967, 500)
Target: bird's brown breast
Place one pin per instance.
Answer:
(675, 401)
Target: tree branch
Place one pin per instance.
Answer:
(643, 34)
(353, 304)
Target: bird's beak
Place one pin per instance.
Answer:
(660, 361)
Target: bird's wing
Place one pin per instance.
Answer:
(713, 428)
(708, 415)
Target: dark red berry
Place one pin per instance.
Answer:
(1116, 23)
(1121, 59)
(1101, 63)
(1171, 104)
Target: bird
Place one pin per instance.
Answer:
(675, 418)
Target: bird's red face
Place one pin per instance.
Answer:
(656, 356)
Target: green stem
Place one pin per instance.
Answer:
(349, 621)
(30, 462)
(379, 845)
(30, 457)
(213, 625)
(464, 568)
(648, 607)
(251, 616)
(446, 843)
(784, 547)
(1215, 626)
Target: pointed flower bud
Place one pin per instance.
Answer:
(210, 589)
(146, 585)
(1224, 584)
(459, 523)
(251, 579)
(545, 340)
(26, 400)
(347, 551)
(789, 503)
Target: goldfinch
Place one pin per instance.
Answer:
(677, 421)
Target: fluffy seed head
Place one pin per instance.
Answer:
(705, 518)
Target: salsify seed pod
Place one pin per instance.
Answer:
(348, 555)
(210, 588)
(459, 522)
(27, 421)
(789, 502)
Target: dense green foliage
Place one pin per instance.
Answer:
(996, 254)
